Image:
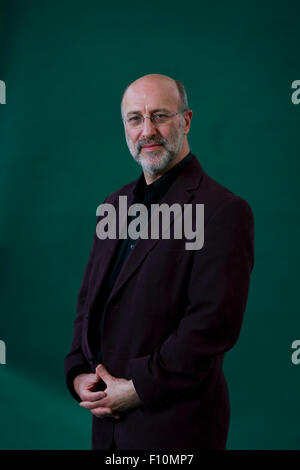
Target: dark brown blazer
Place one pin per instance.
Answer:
(169, 319)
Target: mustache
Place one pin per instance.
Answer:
(142, 142)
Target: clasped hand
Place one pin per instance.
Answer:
(119, 394)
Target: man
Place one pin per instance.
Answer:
(153, 318)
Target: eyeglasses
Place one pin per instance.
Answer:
(157, 119)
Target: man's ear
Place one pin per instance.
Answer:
(187, 116)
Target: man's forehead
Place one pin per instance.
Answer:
(151, 94)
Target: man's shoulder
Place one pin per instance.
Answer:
(215, 196)
(213, 191)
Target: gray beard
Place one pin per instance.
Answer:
(168, 156)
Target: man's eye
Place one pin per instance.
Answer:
(160, 116)
(134, 119)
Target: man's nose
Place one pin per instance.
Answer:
(148, 128)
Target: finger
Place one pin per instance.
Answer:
(93, 404)
(87, 395)
(101, 412)
(103, 373)
(105, 413)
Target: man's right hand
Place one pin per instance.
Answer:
(84, 385)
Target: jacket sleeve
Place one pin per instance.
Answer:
(211, 322)
(75, 362)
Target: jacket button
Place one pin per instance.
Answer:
(87, 315)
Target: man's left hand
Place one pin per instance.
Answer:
(121, 394)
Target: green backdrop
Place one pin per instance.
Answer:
(62, 151)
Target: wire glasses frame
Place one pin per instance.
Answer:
(157, 119)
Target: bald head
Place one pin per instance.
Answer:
(151, 84)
